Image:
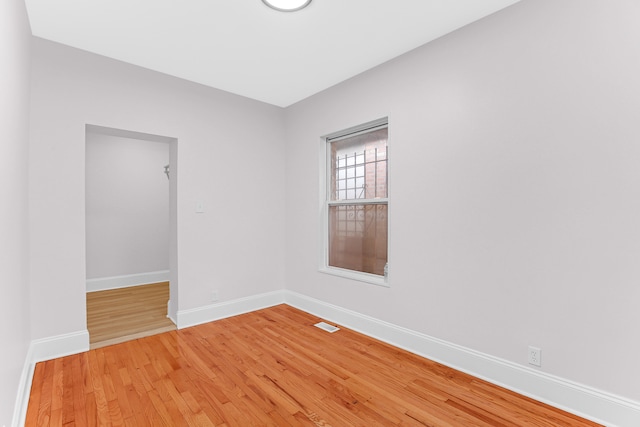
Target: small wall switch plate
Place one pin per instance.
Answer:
(535, 356)
(199, 207)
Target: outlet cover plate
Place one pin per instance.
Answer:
(535, 356)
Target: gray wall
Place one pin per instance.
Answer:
(127, 206)
(514, 198)
(15, 39)
(229, 156)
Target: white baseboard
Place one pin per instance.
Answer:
(581, 400)
(59, 346)
(170, 312)
(117, 282)
(24, 391)
(39, 351)
(209, 313)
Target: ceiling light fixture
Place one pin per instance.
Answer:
(287, 5)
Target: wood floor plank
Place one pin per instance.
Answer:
(79, 391)
(118, 315)
(69, 413)
(36, 393)
(44, 410)
(271, 367)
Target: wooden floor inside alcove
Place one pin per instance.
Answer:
(119, 315)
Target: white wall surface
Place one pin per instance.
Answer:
(229, 156)
(514, 182)
(127, 206)
(15, 40)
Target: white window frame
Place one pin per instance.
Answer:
(325, 202)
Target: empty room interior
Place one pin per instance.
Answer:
(453, 185)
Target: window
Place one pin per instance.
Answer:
(357, 200)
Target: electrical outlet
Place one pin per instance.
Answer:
(214, 296)
(535, 356)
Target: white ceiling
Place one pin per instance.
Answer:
(244, 47)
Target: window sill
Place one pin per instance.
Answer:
(356, 275)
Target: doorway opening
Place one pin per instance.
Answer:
(130, 224)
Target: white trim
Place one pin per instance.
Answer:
(59, 346)
(209, 313)
(358, 130)
(24, 391)
(169, 311)
(356, 275)
(125, 281)
(584, 401)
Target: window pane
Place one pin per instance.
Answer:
(358, 237)
(364, 156)
(381, 180)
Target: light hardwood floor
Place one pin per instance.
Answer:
(270, 368)
(119, 315)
